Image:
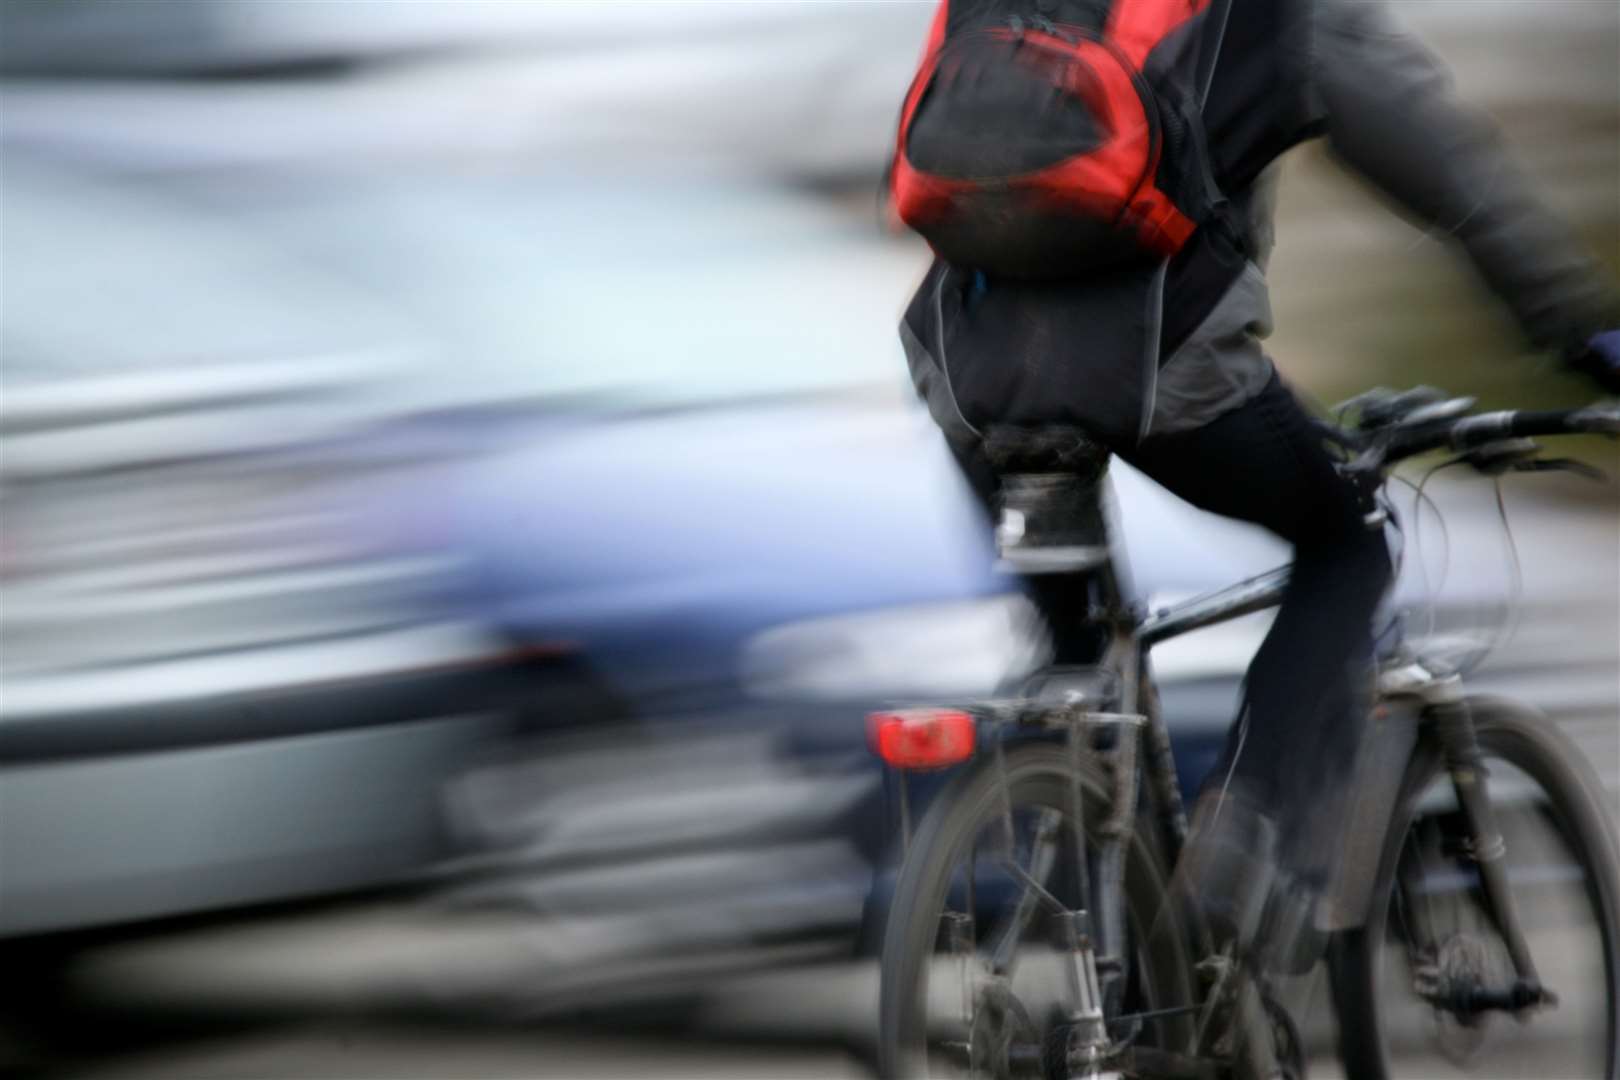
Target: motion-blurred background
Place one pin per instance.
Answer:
(460, 493)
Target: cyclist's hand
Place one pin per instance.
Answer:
(1600, 359)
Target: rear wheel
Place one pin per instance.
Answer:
(1406, 982)
(974, 976)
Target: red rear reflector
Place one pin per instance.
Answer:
(921, 738)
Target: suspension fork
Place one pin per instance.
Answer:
(1454, 727)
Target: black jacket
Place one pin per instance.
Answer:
(1087, 351)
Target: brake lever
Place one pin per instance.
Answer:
(1447, 409)
(1496, 458)
(1362, 400)
(1396, 407)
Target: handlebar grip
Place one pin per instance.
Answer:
(1482, 428)
(1553, 422)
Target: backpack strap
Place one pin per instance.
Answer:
(1208, 54)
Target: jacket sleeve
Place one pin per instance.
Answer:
(1389, 113)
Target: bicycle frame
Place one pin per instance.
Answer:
(1052, 522)
(1412, 701)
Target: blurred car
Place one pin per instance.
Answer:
(314, 464)
(212, 594)
(746, 581)
(709, 496)
(226, 592)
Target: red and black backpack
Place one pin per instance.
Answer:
(1046, 138)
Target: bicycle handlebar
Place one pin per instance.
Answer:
(1482, 428)
(1407, 438)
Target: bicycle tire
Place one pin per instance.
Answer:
(1037, 776)
(1532, 744)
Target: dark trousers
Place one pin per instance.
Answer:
(1304, 694)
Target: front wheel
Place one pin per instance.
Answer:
(1407, 983)
(975, 971)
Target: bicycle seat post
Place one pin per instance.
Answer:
(1051, 522)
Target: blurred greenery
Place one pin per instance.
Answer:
(1363, 298)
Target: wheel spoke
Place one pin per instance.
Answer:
(1043, 856)
(981, 988)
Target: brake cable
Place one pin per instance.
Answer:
(1420, 496)
(1514, 613)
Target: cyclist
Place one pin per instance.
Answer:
(1216, 425)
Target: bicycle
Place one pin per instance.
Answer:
(1031, 931)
